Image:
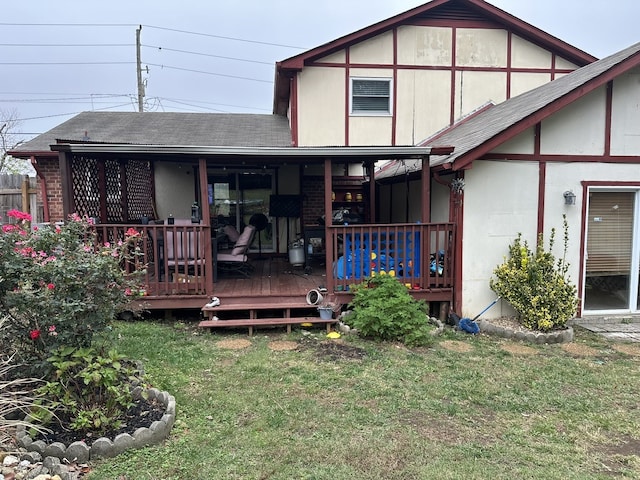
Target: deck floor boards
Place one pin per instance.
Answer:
(272, 276)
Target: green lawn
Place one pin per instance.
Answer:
(363, 410)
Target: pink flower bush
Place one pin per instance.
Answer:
(63, 276)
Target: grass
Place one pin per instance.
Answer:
(396, 413)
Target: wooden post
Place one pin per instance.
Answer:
(26, 205)
(328, 219)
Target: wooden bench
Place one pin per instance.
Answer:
(260, 322)
(254, 308)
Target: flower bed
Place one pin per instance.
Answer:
(81, 452)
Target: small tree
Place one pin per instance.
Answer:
(536, 285)
(9, 141)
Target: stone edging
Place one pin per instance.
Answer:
(439, 326)
(103, 447)
(556, 336)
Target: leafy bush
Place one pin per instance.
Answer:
(17, 395)
(60, 287)
(88, 391)
(536, 285)
(384, 309)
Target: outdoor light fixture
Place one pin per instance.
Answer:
(569, 198)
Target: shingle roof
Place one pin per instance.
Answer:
(474, 132)
(168, 128)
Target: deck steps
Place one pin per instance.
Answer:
(250, 323)
(262, 314)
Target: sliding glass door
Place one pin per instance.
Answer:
(241, 199)
(611, 259)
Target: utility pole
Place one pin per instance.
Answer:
(139, 71)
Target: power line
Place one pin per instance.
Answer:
(179, 100)
(209, 73)
(67, 114)
(67, 63)
(66, 45)
(206, 54)
(129, 25)
(225, 38)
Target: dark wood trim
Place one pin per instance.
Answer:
(608, 119)
(394, 111)
(542, 180)
(509, 63)
(124, 195)
(458, 219)
(426, 190)
(206, 220)
(347, 99)
(102, 188)
(328, 188)
(68, 207)
(542, 176)
(443, 68)
(293, 101)
(562, 158)
(452, 100)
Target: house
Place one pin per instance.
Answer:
(449, 71)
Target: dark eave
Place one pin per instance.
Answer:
(348, 154)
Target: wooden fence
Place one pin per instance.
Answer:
(19, 192)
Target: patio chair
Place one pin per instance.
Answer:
(236, 260)
(185, 249)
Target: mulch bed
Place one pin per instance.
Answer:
(142, 414)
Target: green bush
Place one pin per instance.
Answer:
(536, 285)
(384, 309)
(88, 391)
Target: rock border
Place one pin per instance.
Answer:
(557, 336)
(79, 452)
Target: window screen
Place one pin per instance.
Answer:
(370, 96)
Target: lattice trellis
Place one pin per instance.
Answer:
(85, 184)
(113, 191)
(139, 189)
(90, 198)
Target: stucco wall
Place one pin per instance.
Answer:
(625, 121)
(500, 200)
(423, 79)
(175, 189)
(577, 129)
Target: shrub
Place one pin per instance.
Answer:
(384, 309)
(59, 286)
(88, 391)
(536, 285)
(16, 396)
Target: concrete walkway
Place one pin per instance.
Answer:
(626, 329)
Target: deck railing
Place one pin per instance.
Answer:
(178, 259)
(418, 255)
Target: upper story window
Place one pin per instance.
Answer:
(371, 96)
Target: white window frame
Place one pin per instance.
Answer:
(371, 113)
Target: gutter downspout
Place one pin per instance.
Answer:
(43, 188)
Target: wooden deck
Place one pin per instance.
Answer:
(272, 277)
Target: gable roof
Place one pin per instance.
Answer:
(164, 128)
(481, 133)
(436, 10)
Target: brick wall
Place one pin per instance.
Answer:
(50, 169)
(313, 199)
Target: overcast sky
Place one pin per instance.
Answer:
(81, 55)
